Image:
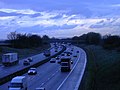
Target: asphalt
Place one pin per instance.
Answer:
(50, 77)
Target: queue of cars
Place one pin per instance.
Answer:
(65, 54)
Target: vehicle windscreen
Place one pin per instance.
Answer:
(16, 85)
(64, 64)
(32, 69)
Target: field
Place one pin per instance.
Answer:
(23, 53)
(103, 69)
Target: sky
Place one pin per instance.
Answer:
(59, 18)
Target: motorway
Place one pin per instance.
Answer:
(50, 77)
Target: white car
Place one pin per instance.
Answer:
(32, 71)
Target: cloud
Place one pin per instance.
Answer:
(24, 11)
(113, 22)
(115, 5)
(64, 18)
(38, 29)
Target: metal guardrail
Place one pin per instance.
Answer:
(24, 70)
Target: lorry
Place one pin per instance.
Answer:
(65, 64)
(47, 53)
(18, 83)
(10, 59)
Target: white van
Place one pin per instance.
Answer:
(18, 83)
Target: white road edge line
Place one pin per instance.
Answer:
(69, 73)
(82, 73)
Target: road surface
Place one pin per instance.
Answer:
(50, 77)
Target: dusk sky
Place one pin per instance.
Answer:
(59, 18)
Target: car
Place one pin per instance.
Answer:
(68, 53)
(54, 44)
(71, 53)
(71, 62)
(62, 54)
(58, 57)
(30, 59)
(56, 50)
(52, 60)
(32, 71)
(59, 61)
(65, 52)
(75, 56)
(26, 62)
(47, 53)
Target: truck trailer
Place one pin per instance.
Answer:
(65, 64)
(10, 59)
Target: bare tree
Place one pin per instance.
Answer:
(12, 35)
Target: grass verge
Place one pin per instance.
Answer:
(102, 70)
(23, 53)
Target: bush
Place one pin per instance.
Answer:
(0, 49)
(111, 42)
(118, 49)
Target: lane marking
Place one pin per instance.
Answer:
(69, 73)
(42, 83)
(49, 78)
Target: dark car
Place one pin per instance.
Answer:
(47, 53)
(68, 53)
(30, 59)
(58, 57)
(62, 54)
(52, 60)
(71, 62)
(26, 62)
(59, 61)
(77, 51)
(56, 50)
(75, 56)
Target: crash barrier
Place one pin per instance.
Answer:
(24, 70)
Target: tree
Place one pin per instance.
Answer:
(111, 42)
(45, 39)
(93, 38)
(12, 38)
(12, 35)
(35, 40)
(24, 40)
